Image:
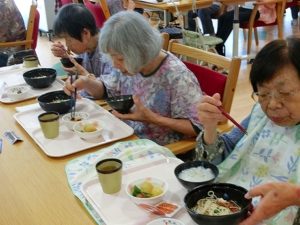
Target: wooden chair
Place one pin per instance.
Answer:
(31, 33)
(165, 40)
(97, 11)
(253, 24)
(105, 8)
(210, 81)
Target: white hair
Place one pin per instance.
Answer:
(129, 34)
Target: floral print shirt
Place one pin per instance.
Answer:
(269, 153)
(12, 26)
(171, 91)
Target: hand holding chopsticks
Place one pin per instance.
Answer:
(209, 114)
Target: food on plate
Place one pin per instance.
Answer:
(167, 207)
(214, 206)
(196, 174)
(146, 190)
(89, 127)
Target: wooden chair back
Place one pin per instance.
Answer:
(165, 40)
(211, 82)
(31, 33)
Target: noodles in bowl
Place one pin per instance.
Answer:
(219, 203)
(214, 206)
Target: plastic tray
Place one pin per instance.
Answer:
(13, 76)
(68, 142)
(118, 209)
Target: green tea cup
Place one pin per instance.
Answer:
(110, 175)
(49, 123)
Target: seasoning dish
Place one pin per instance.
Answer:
(79, 116)
(17, 92)
(148, 190)
(227, 204)
(88, 129)
(195, 173)
(40, 78)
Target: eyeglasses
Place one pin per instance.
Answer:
(280, 96)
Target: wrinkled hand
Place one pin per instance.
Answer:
(274, 197)
(79, 84)
(208, 112)
(139, 113)
(59, 50)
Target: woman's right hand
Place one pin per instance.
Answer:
(59, 50)
(208, 112)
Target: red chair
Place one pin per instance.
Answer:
(252, 24)
(211, 82)
(97, 12)
(64, 2)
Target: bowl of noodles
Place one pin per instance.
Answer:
(218, 203)
(57, 101)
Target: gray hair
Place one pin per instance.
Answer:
(130, 35)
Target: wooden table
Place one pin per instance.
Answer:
(182, 5)
(34, 188)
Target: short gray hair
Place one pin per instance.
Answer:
(130, 35)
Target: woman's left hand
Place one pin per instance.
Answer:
(140, 113)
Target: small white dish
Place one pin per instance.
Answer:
(79, 117)
(165, 221)
(155, 182)
(17, 92)
(88, 129)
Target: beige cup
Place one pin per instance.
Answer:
(49, 122)
(110, 175)
(30, 61)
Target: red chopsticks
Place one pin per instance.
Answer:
(232, 120)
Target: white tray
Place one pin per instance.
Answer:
(118, 209)
(68, 142)
(13, 76)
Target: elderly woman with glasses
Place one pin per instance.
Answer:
(165, 92)
(270, 151)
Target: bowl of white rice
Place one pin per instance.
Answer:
(196, 173)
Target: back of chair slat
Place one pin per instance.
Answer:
(228, 64)
(210, 82)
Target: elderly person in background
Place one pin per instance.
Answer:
(116, 6)
(276, 196)
(12, 28)
(77, 26)
(270, 151)
(165, 91)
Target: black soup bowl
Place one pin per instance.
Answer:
(221, 190)
(57, 101)
(121, 103)
(66, 62)
(40, 78)
(195, 173)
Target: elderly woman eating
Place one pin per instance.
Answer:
(165, 92)
(270, 151)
